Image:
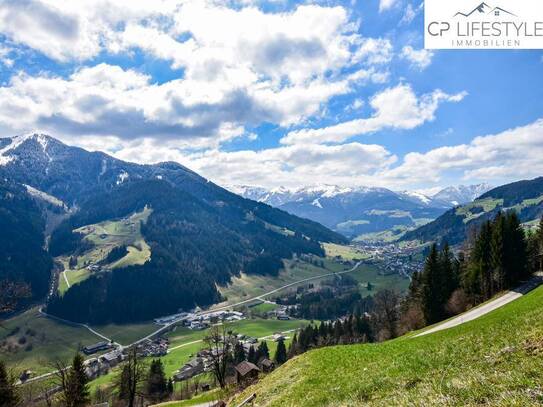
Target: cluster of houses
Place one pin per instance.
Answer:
(203, 362)
(153, 347)
(393, 258)
(100, 365)
(196, 321)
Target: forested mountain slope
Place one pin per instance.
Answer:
(199, 233)
(23, 258)
(525, 197)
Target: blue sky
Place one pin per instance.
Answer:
(271, 93)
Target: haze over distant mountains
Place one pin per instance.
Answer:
(363, 211)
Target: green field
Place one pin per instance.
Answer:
(345, 252)
(248, 286)
(369, 273)
(495, 360)
(45, 341)
(126, 334)
(105, 236)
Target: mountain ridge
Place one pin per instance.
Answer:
(191, 217)
(361, 211)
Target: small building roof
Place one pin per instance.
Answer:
(245, 367)
(266, 362)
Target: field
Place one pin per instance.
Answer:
(45, 341)
(127, 333)
(345, 252)
(495, 360)
(370, 273)
(105, 236)
(247, 286)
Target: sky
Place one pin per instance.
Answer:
(271, 93)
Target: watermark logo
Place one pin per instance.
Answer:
(468, 24)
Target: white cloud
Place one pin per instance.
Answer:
(239, 66)
(410, 13)
(510, 155)
(351, 163)
(420, 59)
(394, 108)
(387, 4)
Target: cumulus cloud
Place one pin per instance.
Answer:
(107, 100)
(419, 59)
(239, 67)
(394, 108)
(351, 163)
(512, 154)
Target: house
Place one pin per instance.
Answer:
(278, 337)
(246, 372)
(112, 358)
(97, 347)
(191, 369)
(283, 317)
(266, 365)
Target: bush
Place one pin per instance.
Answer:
(458, 303)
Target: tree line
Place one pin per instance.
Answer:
(496, 258)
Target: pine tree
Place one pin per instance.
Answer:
(251, 357)
(262, 351)
(539, 239)
(281, 352)
(430, 293)
(76, 388)
(157, 385)
(497, 254)
(8, 392)
(170, 386)
(239, 353)
(292, 349)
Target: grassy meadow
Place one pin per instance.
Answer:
(495, 360)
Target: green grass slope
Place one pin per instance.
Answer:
(495, 360)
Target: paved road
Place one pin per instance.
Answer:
(165, 327)
(252, 299)
(534, 282)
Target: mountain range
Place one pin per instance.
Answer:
(363, 212)
(195, 234)
(455, 225)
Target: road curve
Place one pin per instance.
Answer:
(531, 284)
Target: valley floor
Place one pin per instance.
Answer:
(494, 360)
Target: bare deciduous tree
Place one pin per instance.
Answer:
(387, 313)
(131, 378)
(220, 343)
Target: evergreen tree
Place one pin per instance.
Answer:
(170, 386)
(448, 272)
(539, 240)
(262, 351)
(292, 349)
(252, 357)
(431, 290)
(281, 352)
(8, 392)
(239, 353)
(157, 385)
(78, 383)
(497, 253)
